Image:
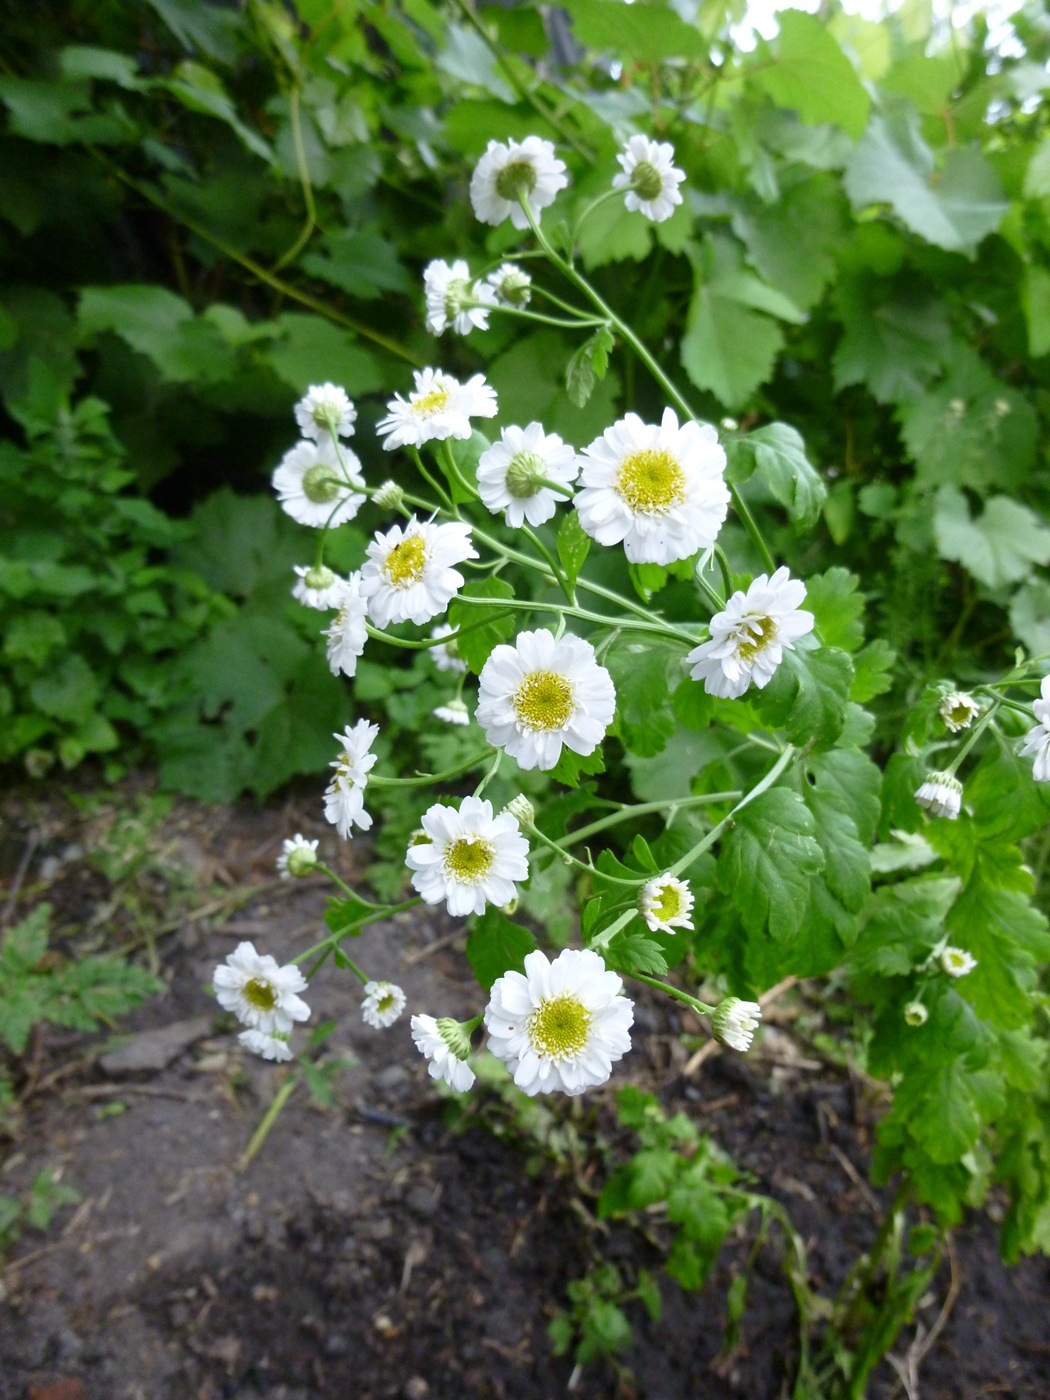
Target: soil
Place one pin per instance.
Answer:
(393, 1244)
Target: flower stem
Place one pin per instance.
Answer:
(644, 809)
(675, 992)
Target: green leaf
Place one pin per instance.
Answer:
(1035, 296)
(902, 923)
(644, 716)
(946, 1108)
(837, 607)
(809, 214)
(489, 626)
(588, 365)
(779, 454)
(161, 326)
(201, 90)
(893, 346)
(808, 72)
(809, 694)
(362, 264)
(570, 766)
(495, 946)
(69, 692)
(650, 35)
(768, 860)
(998, 547)
(311, 350)
(872, 671)
(635, 952)
(954, 208)
(342, 913)
(573, 545)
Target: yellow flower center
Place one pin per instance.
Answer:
(757, 634)
(405, 563)
(544, 700)
(469, 858)
(433, 402)
(559, 1026)
(260, 994)
(651, 481)
(667, 904)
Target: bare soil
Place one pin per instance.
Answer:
(391, 1246)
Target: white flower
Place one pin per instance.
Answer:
(560, 1025)
(325, 409)
(408, 575)
(270, 1045)
(455, 712)
(526, 168)
(315, 488)
(747, 640)
(734, 1022)
(650, 178)
(383, 1004)
(445, 1060)
(540, 693)
(349, 632)
(958, 711)
(915, 1014)
(470, 858)
(957, 962)
(1037, 740)
(446, 656)
(344, 801)
(448, 292)
(511, 284)
(262, 995)
(941, 794)
(318, 587)
(298, 857)
(511, 474)
(658, 489)
(441, 407)
(666, 903)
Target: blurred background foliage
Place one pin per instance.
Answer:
(206, 208)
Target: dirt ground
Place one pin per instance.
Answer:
(389, 1246)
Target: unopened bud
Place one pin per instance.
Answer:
(319, 577)
(455, 1036)
(915, 1014)
(389, 496)
(941, 794)
(734, 1022)
(958, 711)
(521, 809)
(511, 907)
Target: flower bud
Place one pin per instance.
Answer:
(521, 809)
(734, 1022)
(941, 794)
(389, 496)
(511, 907)
(298, 857)
(958, 711)
(455, 1036)
(319, 577)
(957, 962)
(915, 1014)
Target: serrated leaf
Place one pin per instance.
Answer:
(488, 626)
(570, 766)
(588, 365)
(809, 694)
(837, 607)
(892, 346)
(342, 914)
(644, 715)
(495, 945)
(999, 546)
(807, 71)
(573, 544)
(657, 34)
(779, 454)
(634, 952)
(767, 861)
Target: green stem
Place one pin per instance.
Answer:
(376, 915)
(534, 830)
(644, 809)
(563, 582)
(431, 779)
(716, 831)
(304, 180)
(270, 1117)
(438, 490)
(566, 610)
(342, 884)
(978, 729)
(675, 992)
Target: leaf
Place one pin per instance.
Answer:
(488, 626)
(573, 544)
(810, 74)
(68, 692)
(310, 350)
(808, 694)
(894, 346)
(872, 669)
(946, 1108)
(779, 454)
(588, 365)
(998, 547)
(767, 861)
(644, 716)
(362, 264)
(652, 34)
(1035, 296)
(495, 946)
(634, 952)
(954, 208)
(837, 607)
(161, 326)
(342, 913)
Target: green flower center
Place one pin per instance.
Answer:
(260, 994)
(757, 635)
(647, 180)
(469, 858)
(386, 1003)
(319, 485)
(544, 700)
(433, 402)
(559, 1027)
(405, 563)
(319, 577)
(651, 481)
(524, 475)
(960, 715)
(517, 177)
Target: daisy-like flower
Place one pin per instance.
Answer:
(941, 794)
(513, 472)
(318, 587)
(446, 655)
(666, 903)
(512, 170)
(455, 712)
(449, 294)
(262, 995)
(540, 693)
(650, 178)
(658, 489)
(315, 488)
(271, 1045)
(441, 407)
(748, 638)
(957, 962)
(958, 711)
(470, 858)
(383, 1004)
(559, 1026)
(915, 1014)
(1037, 740)
(446, 1046)
(323, 410)
(735, 1022)
(344, 798)
(511, 284)
(298, 857)
(348, 634)
(408, 575)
